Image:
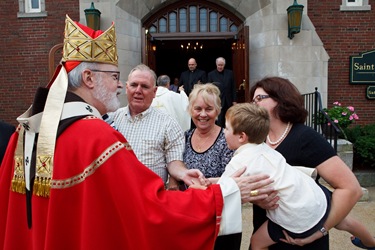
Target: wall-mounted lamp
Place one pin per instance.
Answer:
(294, 18)
(93, 17)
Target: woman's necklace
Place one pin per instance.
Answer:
(273, 143)
(201, 146)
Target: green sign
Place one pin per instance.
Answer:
(362, 68)
(370, 92)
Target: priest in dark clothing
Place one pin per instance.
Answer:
(224, 79)
(192, 76)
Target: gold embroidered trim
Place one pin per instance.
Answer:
(79, 46)
(43, 176)
(70, 182)
(18, 181)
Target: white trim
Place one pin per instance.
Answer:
(354, 3)
(29, 8)
(25, 9)
(357, 5)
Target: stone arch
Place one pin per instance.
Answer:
(192, 27)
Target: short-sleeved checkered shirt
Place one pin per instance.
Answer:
(155, 137)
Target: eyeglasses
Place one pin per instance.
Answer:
(115, 74)
(259, 98)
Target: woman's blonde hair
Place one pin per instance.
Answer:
(206, 91)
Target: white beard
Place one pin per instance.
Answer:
(108, 99)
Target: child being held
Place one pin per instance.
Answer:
(304, 204)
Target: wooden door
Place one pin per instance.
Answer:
(240, 63)
(148, 50)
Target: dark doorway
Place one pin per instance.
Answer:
(172, 56)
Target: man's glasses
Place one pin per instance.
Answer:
(259, 98)
(115, 74)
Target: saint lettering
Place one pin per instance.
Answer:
(364, 67)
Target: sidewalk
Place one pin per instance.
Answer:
(339, 240)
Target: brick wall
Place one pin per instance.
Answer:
(25, 43)
(344, 34)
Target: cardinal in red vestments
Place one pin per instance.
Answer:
(70, 181)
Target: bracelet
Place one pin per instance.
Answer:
(324, 231)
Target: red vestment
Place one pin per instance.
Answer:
(102, 197)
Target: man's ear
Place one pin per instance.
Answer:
(87, 78)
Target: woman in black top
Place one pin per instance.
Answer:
(302, 146)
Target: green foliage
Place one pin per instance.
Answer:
(353, 133)
(341, 116)
(363, 139)
(365, 147)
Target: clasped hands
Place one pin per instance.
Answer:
(253, 188)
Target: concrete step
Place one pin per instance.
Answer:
(365, 197)
(365, 177)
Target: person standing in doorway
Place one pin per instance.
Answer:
(174, 87)
(192, 76)
(224, 79)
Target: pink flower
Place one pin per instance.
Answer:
(337, 103)
(336, 121)
(351, 108)
(356, 117)
(351, 117)
(344, 113)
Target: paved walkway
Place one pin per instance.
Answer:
(339, 240)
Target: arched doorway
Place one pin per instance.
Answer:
(199, 29)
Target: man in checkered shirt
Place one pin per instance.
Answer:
(156, 138)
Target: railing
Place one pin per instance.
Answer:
(319, 120)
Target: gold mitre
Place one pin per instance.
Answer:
(79, 46)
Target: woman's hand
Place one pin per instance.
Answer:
(197, 186)
(194, 176)
(301, 241)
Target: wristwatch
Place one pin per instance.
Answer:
(324, 231)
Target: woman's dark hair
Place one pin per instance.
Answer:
(290, 103)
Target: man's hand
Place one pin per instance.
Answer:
(270, 202)
(253, 188)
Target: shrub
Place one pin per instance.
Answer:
(363, 139)
(365, 147)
